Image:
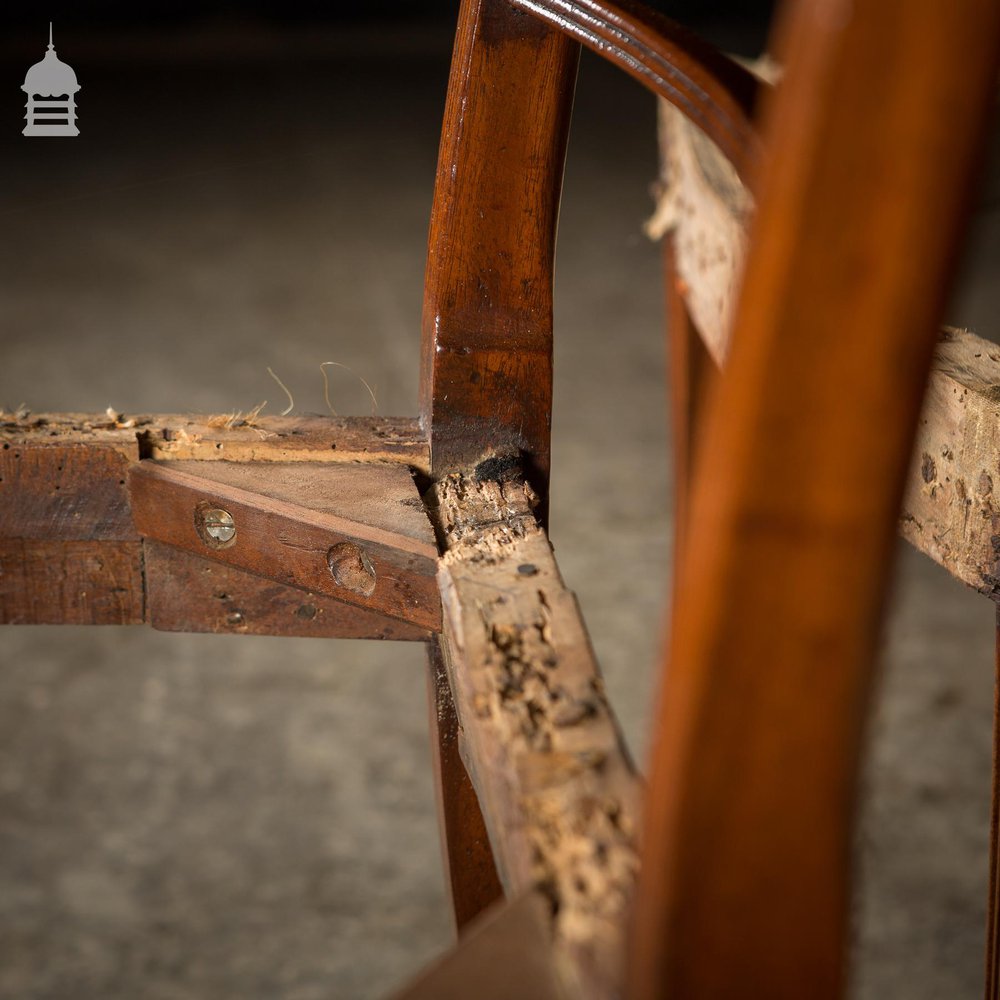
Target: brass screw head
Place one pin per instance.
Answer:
(215, 526)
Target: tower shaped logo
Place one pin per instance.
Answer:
(51, 88)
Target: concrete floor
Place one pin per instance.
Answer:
(207, 817)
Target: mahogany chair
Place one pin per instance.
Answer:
(792, 465)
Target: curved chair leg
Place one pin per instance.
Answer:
(470, 873)
(690, 368)
(993, 902)
(871, 145)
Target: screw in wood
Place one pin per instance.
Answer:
(215, 526)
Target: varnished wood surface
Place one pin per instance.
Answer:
(712, 91)
(470, 873)
(798, 478)
(689, 373)
(486, 358)
(993, 897)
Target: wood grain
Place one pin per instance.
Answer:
(709, 89)
(558, 789)
(230, 437)
(186, 593)
(69, 553)
(380, 497)
(288, 537)
(63, 479)
(75, 492)
(949, 507)
(801, 462)
(470, 872)
(66, 582)
(689, 374)
(992, 991)
(706, 210)
(486, 357)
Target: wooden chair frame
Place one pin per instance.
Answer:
(433, 530)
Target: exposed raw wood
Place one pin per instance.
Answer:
(950, 510)
(380, 497)
(506, 954)
(230, 437)
(558, 789)
(291, 535)
(186, 593)
(70, 582)
(706, 206)
(470, 873)
(706, 209)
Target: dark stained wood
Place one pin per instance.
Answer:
(289, 537)
(232, 437)
(186, 593)
(64, 480)
(70, 582)
(69, 553)
(713, 92)
(993, 898)
(486, 359)
(470, 874)
(689, 371)
(559, 793)
(507, 954)
(798, 479)
(60, 493)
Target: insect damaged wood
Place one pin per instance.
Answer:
(542, 745)
(231, 437)
(950, 507)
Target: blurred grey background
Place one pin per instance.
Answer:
(216, 816)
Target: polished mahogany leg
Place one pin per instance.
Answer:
(689, 370)
(992, 927)
(468, 858)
